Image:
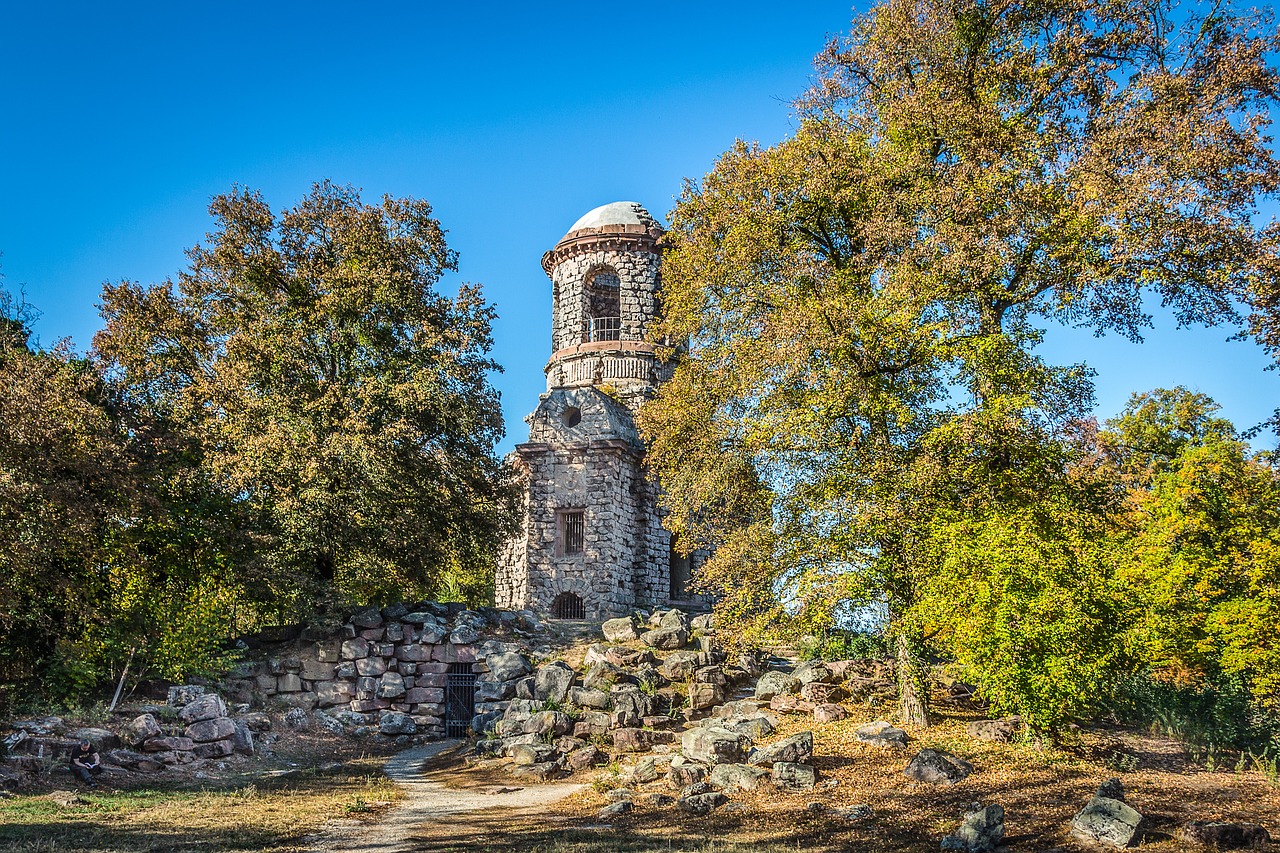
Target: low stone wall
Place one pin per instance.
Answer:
(383, 667)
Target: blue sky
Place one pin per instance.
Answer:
(118, 122)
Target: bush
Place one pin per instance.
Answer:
(1214, 716)
(844, 645)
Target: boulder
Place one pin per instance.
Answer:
(206, 707)
(785, 704)
(532, 753)
(714, 745)
(792, 776)
(181, 694)
(603, 675)
(396, 723)
(100, 738)
(169, 744)
(354, 649)
(553, 722)
(665, 638)
(829, 713)
(796, 749)
(551, 683)
(213, 749)
(673, 618)
(702, 695)
(614, 809)
(639, 740)
(620, 630)
(583, 758)
(206, 731)
(981, 832)
(684, 772)
(881, 734)
(773, 683)
(994, 731)
(296, 718)
(1223, 835)
(700, 804)
(937, 767)
(586, 698)
(742, 777)
(819, 693)
(242, 737)
(505, 666)
(464, 635)
(390, 686)
(543, 771)
(141, 728)
(257, 721)
(703, 622)
(680, 666)
(646, 770)
(813, 672)
(758, 727)
(1106, 821)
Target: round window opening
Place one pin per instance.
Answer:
(572, 416)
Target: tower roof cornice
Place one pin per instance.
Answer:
(619, 225)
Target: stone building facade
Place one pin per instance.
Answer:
(592, 543)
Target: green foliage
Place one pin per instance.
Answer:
(1209, 717)
(323, 393)
(839, 644)
(860, 413)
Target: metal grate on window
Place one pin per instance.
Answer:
(572, 525)
(569, 605)
(604, 329)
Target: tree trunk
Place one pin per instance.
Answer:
(913, 683)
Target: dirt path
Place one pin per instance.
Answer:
(427, 798)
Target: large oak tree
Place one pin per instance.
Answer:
(862, 416)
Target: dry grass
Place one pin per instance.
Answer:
(262, 815)
(1040, 790)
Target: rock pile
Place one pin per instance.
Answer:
(204, 730)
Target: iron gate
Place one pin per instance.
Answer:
(459, 699)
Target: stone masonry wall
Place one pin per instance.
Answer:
(382, 665)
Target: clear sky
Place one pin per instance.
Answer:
(118, 122)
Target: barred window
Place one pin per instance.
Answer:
(569, 533)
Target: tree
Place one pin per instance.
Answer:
(1202, 552)
(863, 300)
(321, 397)
(63, 486)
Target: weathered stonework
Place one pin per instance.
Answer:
(584, 455)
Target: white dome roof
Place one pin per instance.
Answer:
(616, 213)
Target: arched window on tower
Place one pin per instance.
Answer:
(604, 307)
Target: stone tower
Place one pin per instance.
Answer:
(592, 543)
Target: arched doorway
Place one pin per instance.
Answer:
(568, 605)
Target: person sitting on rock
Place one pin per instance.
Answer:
(85, 763)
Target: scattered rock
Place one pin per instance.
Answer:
(937, 767)
(858, 812)
(796, 749)
(881, 734)
(792, 776)
(660, 800)
(684, 772)
(701, 804)
(615, 809)
(774, 683)
(1106, 821)
(1223, 835)
(994, 731)
(713, 745)
(743, 777)
(981, 831)
(665, 638)
(620, 630)
(296, 718)
(829, 713)
(142, 728)
(532, 753)
(182, 694)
